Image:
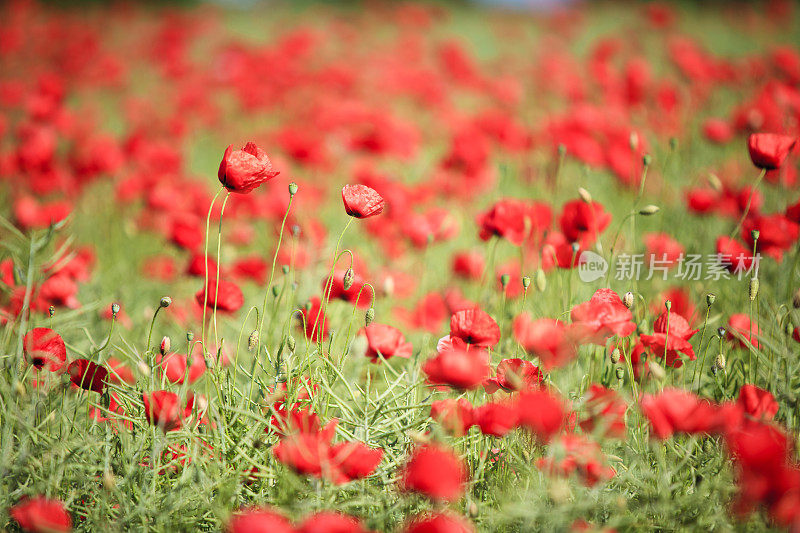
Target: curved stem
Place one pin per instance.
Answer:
(205, 266)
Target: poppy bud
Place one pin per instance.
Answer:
(668, 305)
(615, 356)
(369, 316)
(620, 373)
(52, 311)
(657, 370)
(753, 288)
(295, 230)
(275, 290)
(166, 301)
(291, 343)
(720, 331)
(628, 299)
(719, 361)
(307, 306)
(633, 141)
(292, 189)
(252, 340)
(649, 210)
(347, 281)
(189, 336)
(715, 182)
(473, 509)
(710, 299)
(504, 279)
(647, 159)
(526, 282)
(114, 309)
(165, 345)
(585, 196)
(796, 299)
(755, 234)
(575, 247)
(285, 269)
(541, 280)
(673, 143)
(788, 328)
(143, 368)
(562, 150)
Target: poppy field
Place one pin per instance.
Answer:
(405, 267)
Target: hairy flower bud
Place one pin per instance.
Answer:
(649, 210)
(292, 189)
(52, 311)
(504, 279)
(526, 282)
(753, 291)
(189, 336)
(755, 234)
(114, 309)
(647, 159)
(796, 299)
(668, 305)
(615, 356)
(347, 281)
(166, 301)
(628, 299)
(584, 194)
(285, 269)
(710, 299)
(620, 373)
(719, 361)
(252, 340)
(369, 316)
(291, 343)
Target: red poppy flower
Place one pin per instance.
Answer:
(741, 329)
(226, 296)
(546, 338)
(582, 222)
(315, 324)
(330, 522)
(541, 412)
(605, 410)
(507, 218)
(41, 515)
(355, 459)
(769, 150)
(512, 375)
(434, 471)
(468, 265)
(662, 249)
(455, 416)
(258, 520)
(603, 316)
(717, 130)
(734, 255)
(475, 327)
(777, 234)
(386, 341)
(43, 347)
(673, 343)
(243, 170)
(361, 201)
(175, 366)
(309, 453)
(496, 418)
(439, 523)
(165, 410)
(579, 456)
(87, 375)
(678, 411)
(458, 368)
(757, 402)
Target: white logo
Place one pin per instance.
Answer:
(591, 266)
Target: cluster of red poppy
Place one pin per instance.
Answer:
(350, 141)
